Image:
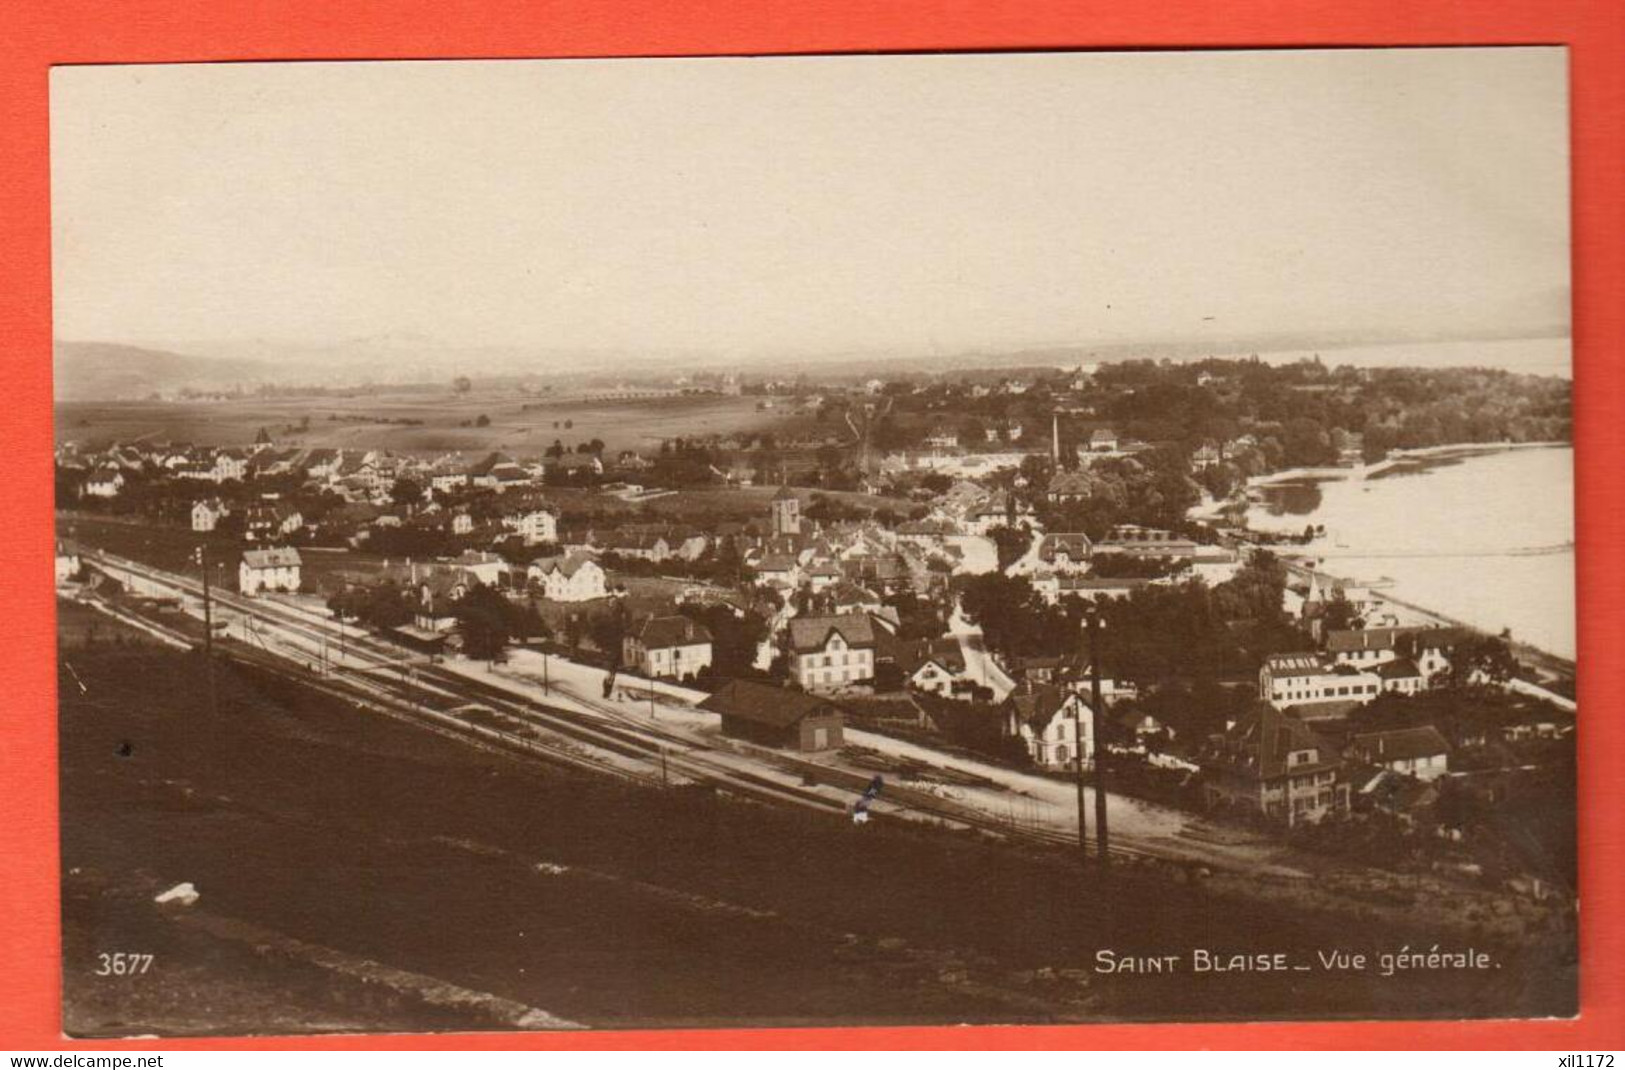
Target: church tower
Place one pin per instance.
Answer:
(786, 513)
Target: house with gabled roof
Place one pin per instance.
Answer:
(831, 652)
(1065, 551)
(1054, 723)
(534, 522)
(270, 520)
(207, 513)
(776, 570)
(1069, 486)
(674, 647)
(104, 482)
(487, 567)
(574, 577)
(643, 546)
(1420, 752)
(273, 569)
(1274, 764)
(933, 665)
(776, 716)
(996, 511)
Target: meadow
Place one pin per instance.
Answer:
(422, 423)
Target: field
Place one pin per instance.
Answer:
(409, 422)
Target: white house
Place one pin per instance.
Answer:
(933, 665)
(1065, 551)
(673, 646)
(1054, 723)
(1368, 648)
(275, 569)
(1287, 680)
(1419, 752)
(571, 578)
(777, 570)
(828, 653)
(1214, 565)
(104, 483)
(229, 464)
(488, 568)
(448, 481)
(534, 525)
(207, 513)
(67, 562)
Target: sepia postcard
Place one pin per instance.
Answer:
(817, 541)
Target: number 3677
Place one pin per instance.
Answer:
(122, 963)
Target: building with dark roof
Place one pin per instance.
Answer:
(1305, 679)
(935, 665)
(1065, 552)
(776, 717)
(1420, 752)
(275, 569)
(1274, 764)
(828, 653)
(1054, 723)
(673, 647)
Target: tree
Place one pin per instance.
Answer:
(734, 639)
(482, 420)
(1340, 614)
(483, 622)
(406, 489)
(1481, 659)
(462, 384)
(1014, 619)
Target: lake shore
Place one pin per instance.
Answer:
(1470, 545)
(1395, 458)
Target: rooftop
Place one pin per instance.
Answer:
(776, 707)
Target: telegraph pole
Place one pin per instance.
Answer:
(208, 625)
(1077, 771)
(1099, 721)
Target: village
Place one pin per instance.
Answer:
(1021, 583)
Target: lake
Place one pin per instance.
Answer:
(1487, 538)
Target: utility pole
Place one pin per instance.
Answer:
(546, 687)
(208, 626)
(1099, 722)
(1077, 771)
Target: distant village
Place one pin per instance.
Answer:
(924, 562)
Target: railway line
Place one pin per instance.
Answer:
(359, 668)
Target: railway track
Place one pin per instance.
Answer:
(373, 672)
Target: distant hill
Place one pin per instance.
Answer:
(103, 371)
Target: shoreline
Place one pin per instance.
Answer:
(1316, 557)
(1536, 657)
(1394, 459)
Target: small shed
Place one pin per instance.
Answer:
(776, 716)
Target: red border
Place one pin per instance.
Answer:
(41, 33)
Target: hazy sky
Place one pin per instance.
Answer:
(759, 206)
